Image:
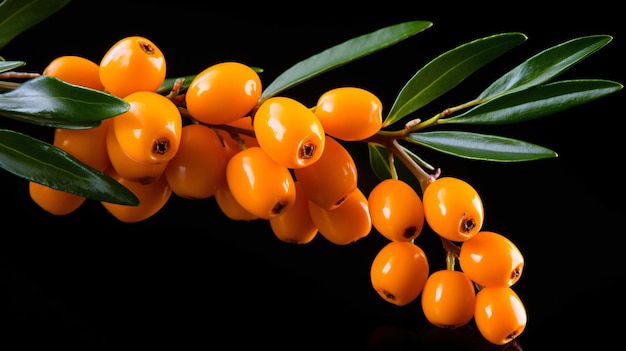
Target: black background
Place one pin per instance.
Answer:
(189, 276)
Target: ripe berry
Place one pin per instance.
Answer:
(329, 180)
(491, 259)
(54, 201)
(345, 223)
(289, 132)
(229, 205)
(75, 70)
(262, 186)
(448, 299)
(199, 166)
(150, 131)
(453, 209)
(399, 272)
(223, 93)
(152, 197)
(350, 113)
(396, 209)
(500, 315)
(295, 225)
(132, 64)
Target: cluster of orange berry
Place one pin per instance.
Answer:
(278, 160)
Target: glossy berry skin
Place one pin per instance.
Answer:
(491, 259)
(294, 225)
(448, 299)
(229, 205)
(75, 70)
(399, 272)
(396, 209)
(199, 166)
(223, 93)
(453, 209)
(54, 201)
(345, 223)
(262, 186)
(132, 64)
(128, 168)
(289, 132)
(150, 131)
(500, 315)
(329, 180)
(350, 113)
(152, 197)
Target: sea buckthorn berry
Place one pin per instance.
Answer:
(132, 64)
(499, 314)
(448, 299)
(75, 70)
(223, 93)
(229, 205)
(453, 209)
(491, 259)
(87, 145)
(262, 186)
(289, 132)
(345, 223)
(128, 168)
(295, 225)
(150, 131)
(329, 180)
(399, 271)
(350, 113)
(396, 209)
(54, 201)
(199, 166)
(152, 197)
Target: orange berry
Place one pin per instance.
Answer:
(152, 197)
(500, 315)
(448, 299)
(345, 223)
(57, 202)
(453, 209)
(199, 166)
(262, 186)
(396, 209)
(132, 64)
(329, 180)
(399, 271)
(289, 132)
(87, 145)
(229, 205)
(491, 259)
(75, 70)
(223, 93)
(350, 113)
(295, 225)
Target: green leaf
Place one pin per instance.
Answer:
(447, 71)
(379, 160)
(16, 16)
(546, 65)
(535, 102)
(43, 163)
(9, 65)
(480, 146)
(168, 84)
(48, 101)
(341, 54)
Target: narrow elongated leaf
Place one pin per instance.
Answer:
(480, 146)
(546, 65)
(16, 16)
(9, 65)
(379, 161)
(48, 101)
(341, 54)
(41, 162)
(535, 102)
(447, 71)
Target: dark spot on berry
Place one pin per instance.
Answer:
(389, 295)
(340, 201)
(307, 151)
(516, 273)
(278, 208)
(467, 225)
(409, 232)
(147, 48)
(161, 146)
